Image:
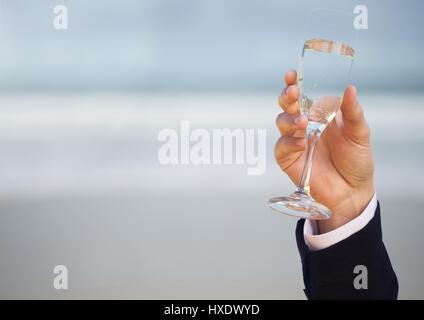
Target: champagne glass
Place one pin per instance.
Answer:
(322, 75)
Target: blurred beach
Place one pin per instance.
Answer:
(80, 113)
(81, 185)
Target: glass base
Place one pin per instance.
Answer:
(301, 205)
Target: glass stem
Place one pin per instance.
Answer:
(312, 139)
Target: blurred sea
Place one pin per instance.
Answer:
(80, 185)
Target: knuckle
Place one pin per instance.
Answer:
(284, 125)
(367, 130)
(360, 112)
(281, 120)
(278, 120)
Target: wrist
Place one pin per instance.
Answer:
(347, 209)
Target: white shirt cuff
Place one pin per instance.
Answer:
(321, 241)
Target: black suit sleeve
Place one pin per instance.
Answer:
(329, 273)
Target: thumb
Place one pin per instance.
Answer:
(354, 123)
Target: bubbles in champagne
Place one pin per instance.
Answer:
(322, 76)
(321, 110)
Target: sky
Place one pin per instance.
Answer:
(195, 45)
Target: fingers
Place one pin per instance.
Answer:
(290, 94)
(290, 77)
(287, 147)
(293, 137)
(354, 121)
(291, 125)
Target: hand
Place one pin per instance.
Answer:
(342, 173)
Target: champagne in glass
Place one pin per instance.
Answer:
(321, 68)
(322, 75)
